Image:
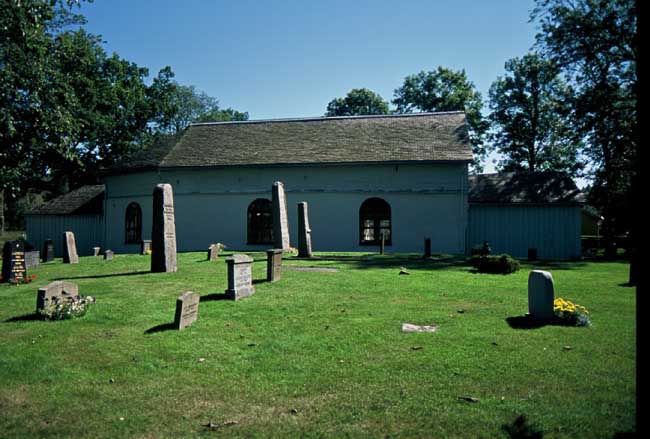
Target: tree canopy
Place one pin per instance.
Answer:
(358, 101)
(446, 90)
(530, 108)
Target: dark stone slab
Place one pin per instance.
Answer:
(32, 259)
(70, 255)
(274, 264)
(48, 250)
(14, 269)
(304, 231)
(187, 310)
(163, 231)
(240, 277)
(427, 248)
(145, 247)
(108, 255)
(61, 289)
(280, 220)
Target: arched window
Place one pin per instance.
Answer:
(133, 224)
(260, 222)
(374, 219)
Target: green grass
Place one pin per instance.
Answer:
(317, 354)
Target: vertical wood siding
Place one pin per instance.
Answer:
(553, 230)
(88, 231)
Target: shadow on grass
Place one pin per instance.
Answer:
(526, 322)
(259, 281)
(520, 428)
(99, 276)
(160, 328)
(213, 297)
(24, 318)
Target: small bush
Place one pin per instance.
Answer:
(497, 264)
(570, 314)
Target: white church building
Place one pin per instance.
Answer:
(405, 176)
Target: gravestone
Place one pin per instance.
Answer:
(69, 249)
(32, 259)
(304, 231)
(540, 295)
(96, 251)
(240, 277)
(48, 250)
(427, 248)
(273, 264)
(14, 269)
(163, 231)
(382, 243)
(145, 247)
(532, 254)
(280, 221)
(187, 310)
(108, 255)
(213, 252)
(60, 289)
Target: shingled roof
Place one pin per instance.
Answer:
(423, 137)
(524, 188)
(83, 201)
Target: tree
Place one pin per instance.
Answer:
(530, 109)
(358, 101)
(596, 45)
(227, 115)
(446, 90)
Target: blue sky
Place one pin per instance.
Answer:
(278, 59)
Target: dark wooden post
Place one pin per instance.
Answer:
(382, 243)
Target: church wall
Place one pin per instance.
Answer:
(211, 204)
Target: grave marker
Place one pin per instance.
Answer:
(427, 248)
(187, 309)
(108, 255)
(14, 269)
(32, 259)
(163, 230)
(213, 252)
(540, 295)
(304, 231)
(60, 289)
(96, 251)
(273, 264)
(145, 247)
(69, 249)
(48, 250)
(280, 221)
(240, 277)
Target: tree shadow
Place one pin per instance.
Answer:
(99, 276)
(526, 322)
(521, 429)
(160, 328)
(259, 281)
(24, 318)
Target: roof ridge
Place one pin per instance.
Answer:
(326, 118)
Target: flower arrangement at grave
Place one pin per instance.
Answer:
(293, 251)
(569, 313)
(147, 252)
(66, 307)
(220, 247)
(27, 279)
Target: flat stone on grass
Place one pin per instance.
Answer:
(410, 327)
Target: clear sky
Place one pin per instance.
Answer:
(286, 58)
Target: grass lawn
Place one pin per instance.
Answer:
(317, 354)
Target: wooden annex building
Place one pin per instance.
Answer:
(402, 175)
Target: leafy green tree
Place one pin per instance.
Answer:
(446, 90)
(358, 101)
(596, 45)
(530, 109)
(219, 115)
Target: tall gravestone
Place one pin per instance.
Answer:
(280, 221)
(304, 231)
(213, 252)
(273, 264)
(163, 230)
(540, 295)
(240, 277)
(187, 310)
(427, 248)
(14, 269)
(48, 250)
(70, 255)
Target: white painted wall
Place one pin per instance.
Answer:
(211, 204)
